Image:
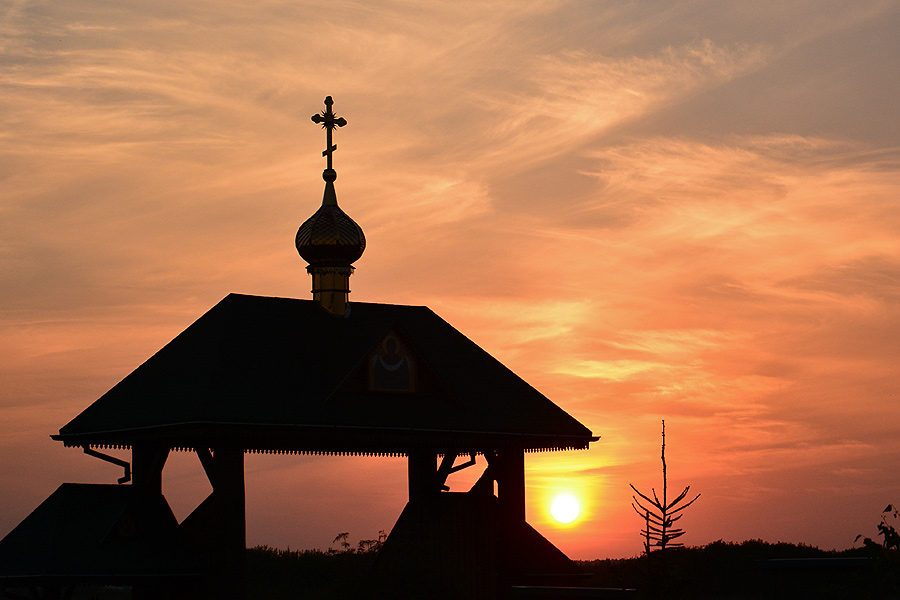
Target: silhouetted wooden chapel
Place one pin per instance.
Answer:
(321, 376)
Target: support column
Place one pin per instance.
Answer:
(422, 469)
(508, 468)
(229, 572)
(510, 476)
(147, 462)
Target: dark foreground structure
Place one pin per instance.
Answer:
(277, 375)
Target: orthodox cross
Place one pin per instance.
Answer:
(329, 121)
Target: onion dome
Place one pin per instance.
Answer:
(330, 241)
(330, 238)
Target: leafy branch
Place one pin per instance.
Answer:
(887, 531)
(364, 546)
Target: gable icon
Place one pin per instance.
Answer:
(392, 367)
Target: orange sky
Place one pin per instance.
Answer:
(679, 210)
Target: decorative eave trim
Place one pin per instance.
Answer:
(322, 439)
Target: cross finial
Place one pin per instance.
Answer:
(329, 121)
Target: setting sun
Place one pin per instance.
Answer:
(565, 508)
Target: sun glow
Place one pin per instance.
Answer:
(565, 508)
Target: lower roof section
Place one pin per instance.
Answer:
(89, 533)
(284, 375)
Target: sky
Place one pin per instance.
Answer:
(682, 210)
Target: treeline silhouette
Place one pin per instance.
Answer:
(720, 570)
(753, 569)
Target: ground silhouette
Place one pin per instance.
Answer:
(750, 570)
(722, 570)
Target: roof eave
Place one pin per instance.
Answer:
(326, 439)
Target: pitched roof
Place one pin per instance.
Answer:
(278, 374)
(102, 533)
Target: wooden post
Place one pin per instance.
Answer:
(147, 462)
(510, 476)
(422, 469)
(229, 576)
(508, 470)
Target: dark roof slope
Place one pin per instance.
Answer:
(96, 533)
(459, 544)
(284, 374)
